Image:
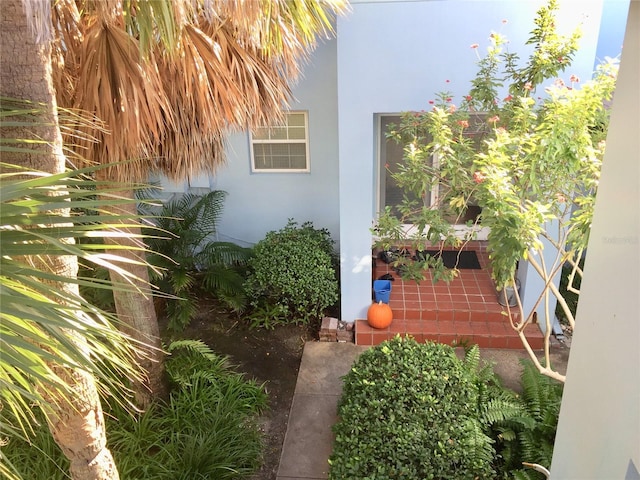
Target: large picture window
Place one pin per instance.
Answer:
(283, 147)
(391, 157)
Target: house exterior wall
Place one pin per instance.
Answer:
(390, 56)
(260, 202)
(598, 432)
(395, 56)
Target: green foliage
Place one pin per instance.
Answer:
(268, 316)
(207, 430)
(191, 260)
(525, 159)
(293, 273)
(44, 322)
(569, 296)
(527, 434)
(411, 411)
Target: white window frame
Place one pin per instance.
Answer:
(253, 141)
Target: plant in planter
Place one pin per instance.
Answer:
(528, 161)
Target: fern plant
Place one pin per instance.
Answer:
(527, 433)
(191, 260)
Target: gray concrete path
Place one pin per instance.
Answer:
(309, 440)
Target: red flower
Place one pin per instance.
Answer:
(574, 78)
(478, 177)
(452, 108)
(463, 123)
(431, 102)
(508, 98)
(386, 165)
(448, 99)
(493, 119)
(474, 45)
(447, 81)
(468, 98)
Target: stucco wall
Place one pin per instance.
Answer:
(394, 56)
(598, 433)
(260, 202)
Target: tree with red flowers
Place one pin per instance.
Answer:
(527, 161)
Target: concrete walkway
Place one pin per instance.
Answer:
(308, 442)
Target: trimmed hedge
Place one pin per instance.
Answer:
(411, 411)
(293, 271)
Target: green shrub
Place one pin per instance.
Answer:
(207, 430)
(411, 411)
(294, 268)
(528, 435)
(189, 258)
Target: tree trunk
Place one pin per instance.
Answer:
(136, 311)
(77, 425)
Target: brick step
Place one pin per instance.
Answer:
(487, 312)
(486, 334)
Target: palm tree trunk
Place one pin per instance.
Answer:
(77, 424)
(136, 311)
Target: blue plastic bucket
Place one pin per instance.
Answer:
(382, 290)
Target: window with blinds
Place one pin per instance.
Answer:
(282, 148)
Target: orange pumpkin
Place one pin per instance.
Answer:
(379, 315)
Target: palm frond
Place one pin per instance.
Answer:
(154, 70)
(223, 253)
(222, 280)
(125, 93)
(156, 21)
(181, 310)
(43, 321)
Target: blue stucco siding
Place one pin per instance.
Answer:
(395, 56)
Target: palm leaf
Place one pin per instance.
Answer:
(125, 93)
(43, 323)
(155, 69)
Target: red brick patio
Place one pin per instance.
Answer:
(465, 311)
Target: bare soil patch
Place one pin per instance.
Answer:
(271, 357)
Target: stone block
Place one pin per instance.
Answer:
(328, 329)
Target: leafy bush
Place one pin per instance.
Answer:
(528, 435)
(208, 429)
(411, 411)
(191, 260)
(294, 268)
